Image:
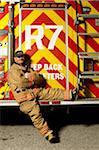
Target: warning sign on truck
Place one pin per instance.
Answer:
(43, 37)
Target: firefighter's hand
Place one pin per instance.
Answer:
(30, 76)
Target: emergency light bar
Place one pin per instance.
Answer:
(42, 5)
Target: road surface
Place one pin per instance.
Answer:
(78, 130)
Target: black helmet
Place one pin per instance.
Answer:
(18, 53)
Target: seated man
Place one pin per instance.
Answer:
(21, 81)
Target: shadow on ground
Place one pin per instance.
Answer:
(57, 116)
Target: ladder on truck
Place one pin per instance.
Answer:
(87, 58)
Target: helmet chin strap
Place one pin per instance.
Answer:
(18, 63)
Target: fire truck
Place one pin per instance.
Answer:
(62, 39)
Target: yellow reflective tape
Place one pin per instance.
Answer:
(72, 79)
(59, 43)
(52, 83)
(72, 13)
(1, 96)
(4, 88)
(16, 10)
(72, 35)
(5, 39)
(81, 65)
(6, 65)
(34, 15)
(89, 93)
(48, 33)
(48, 56)
(72, 56)
(88, 4)
(2, 3)
(55, 84)
(90, 29)
(16, 31)
(55, 17)
(16, 13)
(4, 21)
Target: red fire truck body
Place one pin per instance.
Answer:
(62, 39)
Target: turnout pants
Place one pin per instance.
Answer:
(32, 108)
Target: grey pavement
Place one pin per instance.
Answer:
(72, 137)
(78, 130)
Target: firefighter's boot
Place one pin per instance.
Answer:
(52, 138)
(74, 94)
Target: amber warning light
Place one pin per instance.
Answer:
(42, 5)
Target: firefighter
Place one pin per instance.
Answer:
(22, 81)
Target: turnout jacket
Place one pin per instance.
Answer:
(19, 84)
